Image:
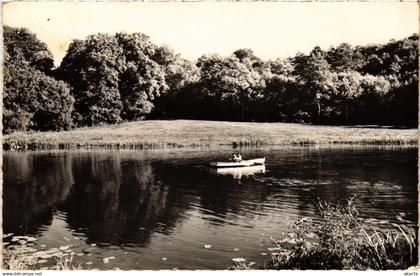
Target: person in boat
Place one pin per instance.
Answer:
(236, 157)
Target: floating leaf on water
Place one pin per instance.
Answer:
(59, 254)
(31, 250)
(64, 248)
(236, 249)
(72, 230)
(89, 263)
(238, 260)
(207, 246)
(310, 235)
(164, 259)
(93, 244)
(88, 250)
(45, 256)
(308, 244)
(42, 261)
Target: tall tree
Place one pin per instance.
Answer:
(348, 90)
(22, 45)
(230, 82)
(345, 58)
(114, 77)
(314, 72)
(91, 68)
(31, 99)
(181, 75)
(142, 78)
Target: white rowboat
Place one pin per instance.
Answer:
(243, 163)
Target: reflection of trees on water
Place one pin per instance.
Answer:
(113, 199)
(122, 201)
(33, 186)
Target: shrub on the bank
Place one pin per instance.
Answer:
(340, 240)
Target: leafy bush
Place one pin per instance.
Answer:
(18, 120)
(340, 240)
(32, 100)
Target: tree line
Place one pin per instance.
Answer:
(107, 79)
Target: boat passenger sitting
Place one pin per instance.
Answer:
(237, 157)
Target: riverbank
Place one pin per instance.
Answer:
(193, 133)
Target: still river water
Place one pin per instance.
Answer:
(158, 209)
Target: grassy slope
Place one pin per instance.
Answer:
(194, 133)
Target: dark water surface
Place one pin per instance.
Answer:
(158, 209)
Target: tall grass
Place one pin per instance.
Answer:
(66, 263)
(193, 133)
(12, 260)
(20, 257)
(341, 240)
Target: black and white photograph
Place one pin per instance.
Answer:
(211, 136)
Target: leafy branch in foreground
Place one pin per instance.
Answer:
(341, 240)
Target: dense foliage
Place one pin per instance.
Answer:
(339, 240)
(126, 77)
(342, 240)
(32, 100)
